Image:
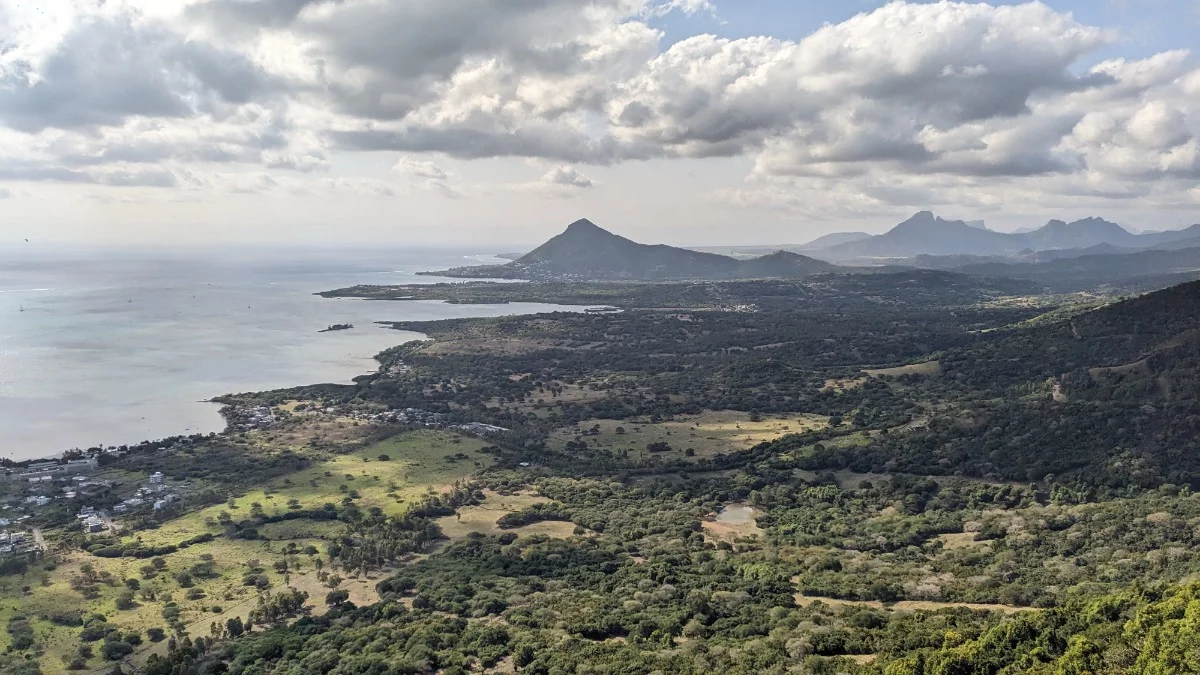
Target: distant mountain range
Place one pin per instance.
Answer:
(925, 234)
(835, 239)
(1060, 257)
(1128, 271)
(587, 252)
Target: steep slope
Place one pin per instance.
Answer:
(585, 251)
(1169, 238)
(1085, 233)
(1104, 397)
(1158, 331)
(834, 239)
(927, 234)
(1140, 270)
(782, 264)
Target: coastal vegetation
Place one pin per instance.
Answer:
(891, 473)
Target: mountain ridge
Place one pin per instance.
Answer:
(927, 234)
(585, 251)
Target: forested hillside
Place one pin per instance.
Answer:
(893, 473)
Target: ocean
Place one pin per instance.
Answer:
(110, 348)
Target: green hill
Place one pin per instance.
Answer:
(587, 252)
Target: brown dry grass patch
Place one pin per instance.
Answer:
(928, 368)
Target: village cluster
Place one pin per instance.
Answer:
(46, 484)
(241, 418)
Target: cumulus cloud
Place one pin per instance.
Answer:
(561, 182)
(428, 176)
(909, 102)
(106, 71)
(567, 176)
(419, 169)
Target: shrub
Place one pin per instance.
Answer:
(114, 650)
(125, 600)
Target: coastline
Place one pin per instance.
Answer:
(144, 370)
(225, 423)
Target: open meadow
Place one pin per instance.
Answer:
(706, 435)
(72, 598)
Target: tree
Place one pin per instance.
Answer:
(125, 600)
(115, 649)
(234, 626)
(524, 656)
(337, 597)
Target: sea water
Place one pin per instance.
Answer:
(110, 348)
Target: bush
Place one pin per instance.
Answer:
(125, 600)
(115, 650)
(21, 632)
(94, 630)
(156, 634)
(66, 618)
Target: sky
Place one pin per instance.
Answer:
(494, 123)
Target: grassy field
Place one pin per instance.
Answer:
(730, 529)
(482, 518)
(542, 403)
(707, 434)
(417, 464)
(928, 368)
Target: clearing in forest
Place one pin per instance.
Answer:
(928, 368)
(416, 463)
(907, 605)
(735, 521)
(707, 434)
(482, 519)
